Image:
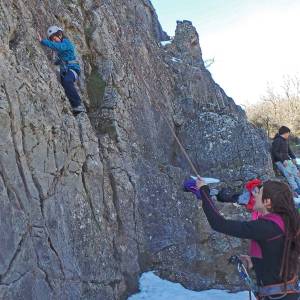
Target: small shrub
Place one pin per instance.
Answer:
(95, 89)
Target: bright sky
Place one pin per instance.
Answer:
(253, 42)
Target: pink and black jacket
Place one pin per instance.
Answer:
(266, 233)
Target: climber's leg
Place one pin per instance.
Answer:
(67, 81)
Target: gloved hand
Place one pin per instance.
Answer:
(189, 185)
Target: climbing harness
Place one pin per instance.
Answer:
(273, 291)
(65, 66)
(75, 74)
(279, 291)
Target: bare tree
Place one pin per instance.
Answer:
(278, 107)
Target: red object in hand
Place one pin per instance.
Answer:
(250, 186)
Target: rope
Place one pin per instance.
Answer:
(158, 108)
(184, 152)
(241, 267)
(176, 139)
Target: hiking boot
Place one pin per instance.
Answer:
(78, 109)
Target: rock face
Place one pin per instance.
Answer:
(88, 203)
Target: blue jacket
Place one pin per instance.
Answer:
(65, 53)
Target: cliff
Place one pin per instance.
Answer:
(88, 203)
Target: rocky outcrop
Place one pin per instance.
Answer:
(88, 203)
(213, 128)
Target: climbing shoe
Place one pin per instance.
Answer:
(78, 109)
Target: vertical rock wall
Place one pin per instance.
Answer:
(88, 203)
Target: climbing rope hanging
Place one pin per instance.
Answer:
(184, 152)
(176, 139)
(234, 259)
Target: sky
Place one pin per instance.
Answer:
(254, 43)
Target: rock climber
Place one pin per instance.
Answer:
(276, 233)
(69, 66)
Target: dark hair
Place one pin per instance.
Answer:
(283, 204)
(59, 33)
(283, 130)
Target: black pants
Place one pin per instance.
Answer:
(67, 81)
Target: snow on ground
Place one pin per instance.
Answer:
(165, 43)
(154, 288)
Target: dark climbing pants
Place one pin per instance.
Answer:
(67, 80)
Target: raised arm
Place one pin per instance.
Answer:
(255, 230)
(58, 46)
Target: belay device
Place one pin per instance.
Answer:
(244, 275)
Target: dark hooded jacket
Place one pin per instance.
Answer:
(281, 150)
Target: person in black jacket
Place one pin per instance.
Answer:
(276, 232)
(282, 154)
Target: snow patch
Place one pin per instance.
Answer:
(165, 43)
(208, 180)
(297, 200)
(175, 59)
(154, 288)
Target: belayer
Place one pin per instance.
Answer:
(285, 160)
(69, 66)
(276, 233)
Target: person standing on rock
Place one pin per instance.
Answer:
(69, 66)
(276, 233)
(285, 159)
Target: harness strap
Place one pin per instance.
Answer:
(75, 74)
(72, 62)
(291, 287)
